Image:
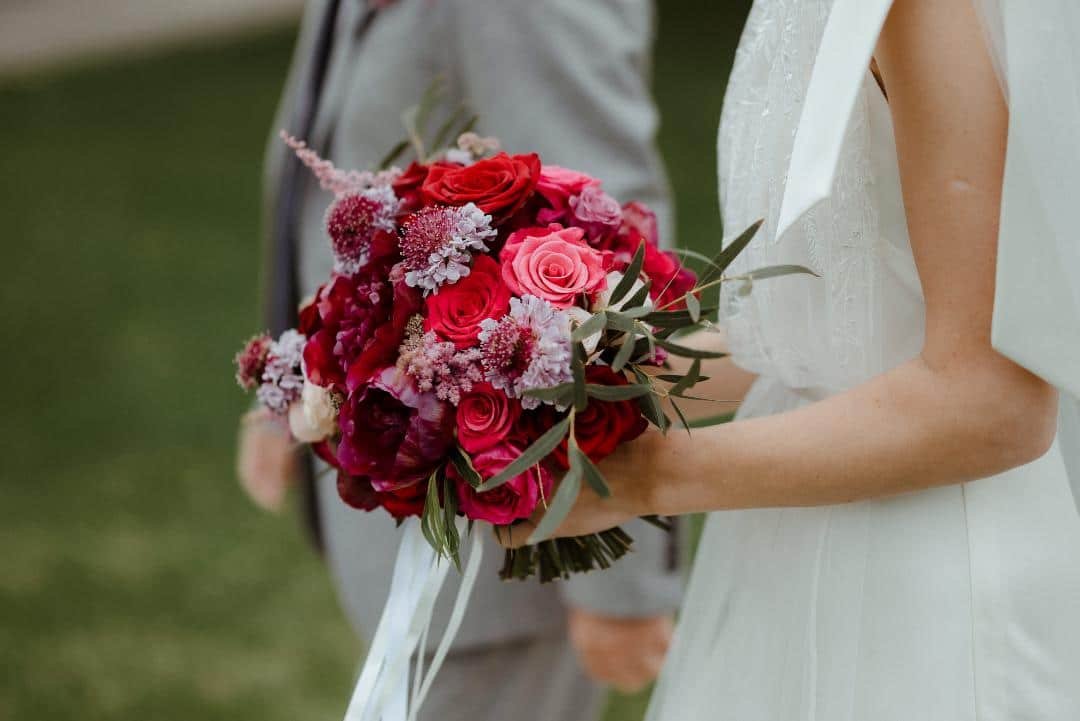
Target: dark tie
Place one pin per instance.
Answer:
(282, 286)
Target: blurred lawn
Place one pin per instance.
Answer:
(137, 582)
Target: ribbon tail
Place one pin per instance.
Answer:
(842, 62)
(468, 581)
(381, 692)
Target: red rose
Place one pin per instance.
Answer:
(408, 187)
(604, 425)
(513, 500)
(533, 423)
(485, 416)
(671, 280)
(358, 492)
(499, 186)
(454, 312)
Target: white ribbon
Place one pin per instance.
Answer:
(842, 62)
(382, 691)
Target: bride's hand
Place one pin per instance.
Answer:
(631, 474)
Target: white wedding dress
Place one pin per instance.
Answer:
(960, 603)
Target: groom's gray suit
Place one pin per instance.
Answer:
(566, 78)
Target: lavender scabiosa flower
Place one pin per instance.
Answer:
(339, 182)
(527, 348)
(354, 219)
(437, 244)
(438, 366)
(283, 376)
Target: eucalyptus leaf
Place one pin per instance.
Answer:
(559, 506)
(679, 413)
(577, 367)
(556, 394)
(688, 380)
(634, 313)
(650, 404)
(693, 306)
(699, 398)
(617, 393)
(443, 134)
(637, 300)
(538, 451)
(409, 120)
(469, 125)
(723, 259)
(428, 102)
(686, 352)
(463, 465)
(626, 352)
(621, 322)
(431, 521)
(395, 153)
(673, 378)
(594, 324)
(592, 475)
(700, 257)
(630, 276)
(450, 529)
(676, 318)
(775, 271)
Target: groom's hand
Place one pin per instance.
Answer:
(626, 653)
(265, 460)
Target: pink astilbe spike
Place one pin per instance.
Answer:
(339, 182)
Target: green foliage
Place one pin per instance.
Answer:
(439, 520)
(538, 451)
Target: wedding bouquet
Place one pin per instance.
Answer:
(493, 328)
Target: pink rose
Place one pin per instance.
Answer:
(595, 211)
(485, 416)
(556, 185)
(553, 263)
(513, 500)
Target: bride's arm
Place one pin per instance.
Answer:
(727, 383)
(957, 412)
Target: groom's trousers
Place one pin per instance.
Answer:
(568, 79)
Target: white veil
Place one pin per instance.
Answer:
(1034, 45)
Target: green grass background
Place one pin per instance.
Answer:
(137, 582)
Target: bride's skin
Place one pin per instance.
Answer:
(958, 411)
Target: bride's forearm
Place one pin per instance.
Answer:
(727, 383)
(957, 412)
(912, 428)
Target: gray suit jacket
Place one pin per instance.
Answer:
(566, 78)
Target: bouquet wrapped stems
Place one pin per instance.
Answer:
(563, 557)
